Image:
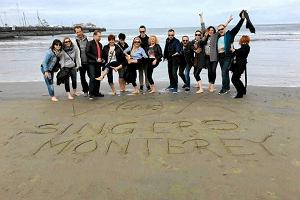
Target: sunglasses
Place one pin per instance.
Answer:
(57, 44)
(68, 41)
(184, 40)
(142, 31)
(171, 35)
(221, 29)
(136, 42)
(197, 34)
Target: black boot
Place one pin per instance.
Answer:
(238, 96)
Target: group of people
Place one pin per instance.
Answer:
(205, 51)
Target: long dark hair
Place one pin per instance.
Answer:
(55, 42)
(212, 28)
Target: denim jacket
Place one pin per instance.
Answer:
(49, 61)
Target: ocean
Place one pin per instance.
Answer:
(274, 60)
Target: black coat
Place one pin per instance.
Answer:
(199, 60)
(187, 55)
(145, 42)
(91, 51)
(240, 61)
(119, 54)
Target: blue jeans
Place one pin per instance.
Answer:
(225, 63)
(49, 83)
(187, 75)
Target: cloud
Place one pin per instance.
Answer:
(155, 13)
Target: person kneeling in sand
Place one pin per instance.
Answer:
(114, 60)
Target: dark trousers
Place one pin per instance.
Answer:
(225, 63)
(212, 69)
(73, 75)
(150, 69)
(172, 70)
(110, 76)
(238, 84)
(94, 72)
(83, 71)
(197, 71)
(108, 67)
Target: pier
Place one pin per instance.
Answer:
(10, 32)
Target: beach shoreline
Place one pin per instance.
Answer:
(182, 146)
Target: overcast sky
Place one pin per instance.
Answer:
(153, 13)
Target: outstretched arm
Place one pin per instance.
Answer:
(202, 22)
(228, 20)
(237, 28)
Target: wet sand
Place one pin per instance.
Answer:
(159, 147)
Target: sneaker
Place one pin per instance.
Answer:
(174, 91)
(187, 89)
(184, 86)
(223, 91)
(169, 87)
(85, 94)
(91, 97)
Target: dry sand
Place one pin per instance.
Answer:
(149, 147)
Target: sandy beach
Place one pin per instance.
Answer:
(149, 147)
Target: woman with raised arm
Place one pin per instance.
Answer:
(220, 46)
(198, 47)
(211, 64)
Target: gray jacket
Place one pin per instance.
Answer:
(70, 59)
(81, 45)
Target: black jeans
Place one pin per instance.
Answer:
(73, 75)
(150, 69)
(173, 66)
(108, 67)
(225, 63)
(94, 72)
(197, 71)
(212, 69)
(83, 70)
(238, 84)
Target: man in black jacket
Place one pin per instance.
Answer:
(143, 70)
(186, 62)
(172, 53)
(95, 61)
